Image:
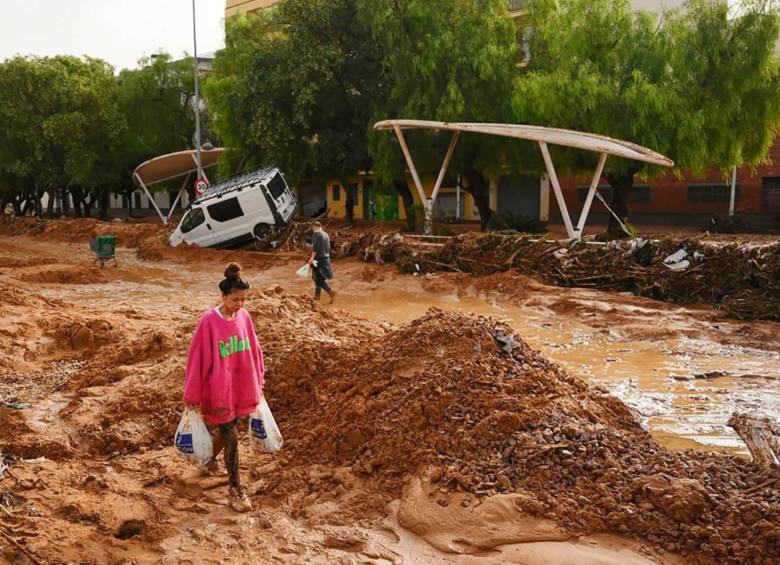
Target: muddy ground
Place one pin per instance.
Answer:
(513, 422)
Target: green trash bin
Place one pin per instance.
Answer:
(104, 247)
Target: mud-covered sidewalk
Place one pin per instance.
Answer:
(411, 435)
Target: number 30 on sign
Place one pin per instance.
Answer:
(200, 186)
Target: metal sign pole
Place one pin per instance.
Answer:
(197, 95)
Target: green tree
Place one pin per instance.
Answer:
(60, 128)
(699, 84)
(156, 101)
(447, 60)
(294, 88)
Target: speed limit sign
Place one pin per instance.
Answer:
(200, 186)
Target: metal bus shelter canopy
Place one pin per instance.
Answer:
(167, 167)
(543, 136)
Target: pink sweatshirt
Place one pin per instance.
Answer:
(225, 370)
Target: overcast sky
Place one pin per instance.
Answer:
(119, 31)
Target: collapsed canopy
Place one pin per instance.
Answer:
(172, 165)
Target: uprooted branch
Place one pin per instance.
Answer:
(762, 437)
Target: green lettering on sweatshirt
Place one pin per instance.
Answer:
(233, 345)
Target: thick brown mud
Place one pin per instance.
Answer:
(411, 435)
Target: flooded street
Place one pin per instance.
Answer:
(428, 419)
(682, 388)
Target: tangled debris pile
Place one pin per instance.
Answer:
(742, 280)
(472, 403)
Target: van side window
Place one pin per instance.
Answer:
(277, 186)
(194, 218)
(226, 210)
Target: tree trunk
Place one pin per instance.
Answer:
(402, 187)
(50, 204)
(349, 202)
(104, 204)
(77, 200)
(621, 184)
(64, 202)
(479, 188)
(17, 204)
(130, 203)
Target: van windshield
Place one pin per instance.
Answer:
(277, 186)
(192, 220)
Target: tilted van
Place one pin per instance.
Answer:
(237, 211)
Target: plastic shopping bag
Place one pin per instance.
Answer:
(264, 434)
(193, 440)
(303, 272)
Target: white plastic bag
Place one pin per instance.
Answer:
(264, 434)
(303, 272)
(193, 440)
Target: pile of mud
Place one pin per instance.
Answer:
(464, 400)
(743, 280)
(129, 234)
(457, 398)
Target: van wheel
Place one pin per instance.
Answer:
(261, 230)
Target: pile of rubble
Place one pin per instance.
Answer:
(465, 401)
(743, 280)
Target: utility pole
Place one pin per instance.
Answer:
(197, 96)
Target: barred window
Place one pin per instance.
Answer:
(710, 192)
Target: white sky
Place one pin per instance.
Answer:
(119, 31)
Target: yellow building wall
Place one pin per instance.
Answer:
(337, 208)
(233, 7)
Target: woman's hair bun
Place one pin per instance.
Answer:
(233, 271)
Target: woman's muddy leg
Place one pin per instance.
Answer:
(230, 440)
(218, 443)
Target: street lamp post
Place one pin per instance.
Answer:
(197, 97)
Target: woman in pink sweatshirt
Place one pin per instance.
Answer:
(224, 376)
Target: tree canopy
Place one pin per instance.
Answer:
(447, 60)
(698, 84)
(71, 127)
(295, 88)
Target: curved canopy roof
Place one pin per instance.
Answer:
(172, 165)
(553, 136)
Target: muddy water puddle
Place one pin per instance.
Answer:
(684, 390)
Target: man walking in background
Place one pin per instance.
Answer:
(320, 262)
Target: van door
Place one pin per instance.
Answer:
(230, 222)
(195, 229)
(282, 197)
(256, 207)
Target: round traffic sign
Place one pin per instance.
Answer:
(201, 185)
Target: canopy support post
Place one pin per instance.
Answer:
(426, 202)
(443, 171)
(151, 198)
(557, 188)
(178, 196)
(591, 192)
(202, 171)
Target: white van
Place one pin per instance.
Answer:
(237, 210)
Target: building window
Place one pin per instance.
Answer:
(336, 192)
(640, 193)
(711, 192)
